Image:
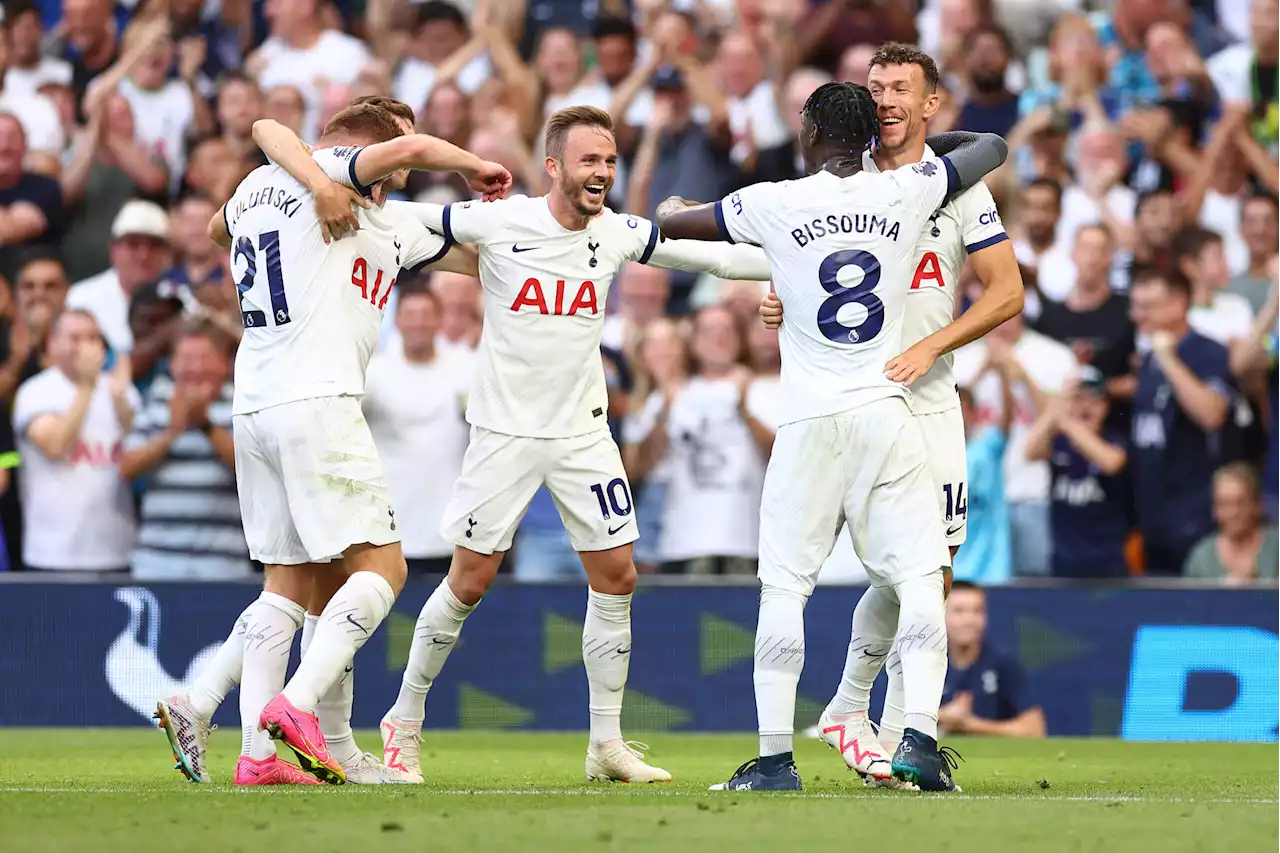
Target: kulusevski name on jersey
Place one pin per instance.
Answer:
(844, 290)
(312, 312)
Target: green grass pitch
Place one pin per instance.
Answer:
(87, 790)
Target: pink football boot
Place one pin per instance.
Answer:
(271, 771)
(300, 731)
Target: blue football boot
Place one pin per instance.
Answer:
(775, 773)
(921, 762)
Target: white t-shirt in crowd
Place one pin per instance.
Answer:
(415, 412)
(757, 113)
(1228, 318)
(1079, 210)
(335, 58)
(714, 470)
(312, 312)
(103, 297)
(415, 79)
(29, 80)
(162, 120)
(1051, 366)
(1221, 215)
(77, 513)
(38, 117)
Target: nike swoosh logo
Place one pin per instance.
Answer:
(621, 652)
(613, 530)
(952, 531)
(357, 624)
(518, 250)
(439, 642)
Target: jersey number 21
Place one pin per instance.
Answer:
(269, 245)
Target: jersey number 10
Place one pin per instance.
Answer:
(269, 245)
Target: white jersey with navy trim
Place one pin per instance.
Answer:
(842, 250)
(311, 312)
(539, 372)
(969, 222)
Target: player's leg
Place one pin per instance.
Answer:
(800, 517)
(910, 556)
(943, 434)
(589, 486)
(500, 474)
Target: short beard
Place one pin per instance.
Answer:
(988, 84)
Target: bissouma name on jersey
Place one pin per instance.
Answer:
(275, 197)
(861, 223)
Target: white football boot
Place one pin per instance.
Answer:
(402, 746)
(188, 734)
(852, 736)
(365, 769)
(623, 762)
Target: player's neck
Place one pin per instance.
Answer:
(910, 152)
(842, 163)
(569, 217)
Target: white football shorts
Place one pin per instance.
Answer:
(501, 473)
(944, 442)
(867, 466)
(310, 481)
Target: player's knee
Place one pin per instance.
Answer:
(612, 572)
(471, 574)
(291, 582)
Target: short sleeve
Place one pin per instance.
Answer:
(339, 164)
(641, 237)
(474, 221)
(420, 246)
(924, 185)
(743, 215)
(979, 219)
(32, 400)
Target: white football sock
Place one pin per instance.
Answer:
(606, 653)
(222, 673)
(891, 719)
(875, 620)
(434, 636)
(308, 631)
(779, 660)
(272, 622)
(349, 619)
(334, 707)
(922, 645)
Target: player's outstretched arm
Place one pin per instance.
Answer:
(680, 219)
(734, 262)
(972, 159)
(462, 259)
(217, 229)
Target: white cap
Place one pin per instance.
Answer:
(141, 217)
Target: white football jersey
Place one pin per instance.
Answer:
(842, 251)
(311, 312)
(539, 373)
(969, 222)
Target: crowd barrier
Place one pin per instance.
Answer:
(1144, 664)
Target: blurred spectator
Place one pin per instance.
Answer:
(643, 292)
(1218, 315)
(990, 107)
(752, 102)
(189, 520)
(70, 421)
(302, 52)
(461, 312)
(286, 104)
(987, 554)
(1089, 497)
(89, 40)
(1258, 227)
(41, 125)
(238, 105)
(446, 116)
(1100, 195)
(30, 203)
(1074, 78)
(414, 403)
(440, 49)
(717, 429)
(1032, 364)
(107, 169)
(1255, 360)
(215, 169)
(826, 30)
(1246, 73)
(40, 295)
(1245, 547)
(1156, 224)
(783, 162)
(210, 40)
(155, 321)
(1093, 320)
(138, 251)
(855, 64)
(987, 692)
(1036, 242)
(200, 261)
(1179, 409)
(28, 68)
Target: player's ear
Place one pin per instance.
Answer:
(932, 104)
(552, 166)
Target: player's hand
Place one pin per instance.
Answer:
(336, 207)
(88, 363)
(672, 205)
(912, 364)
(492, 180)
(771, 309)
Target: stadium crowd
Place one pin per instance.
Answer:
(1124, 424)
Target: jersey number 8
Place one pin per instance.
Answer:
(269, 245)
(861, 293)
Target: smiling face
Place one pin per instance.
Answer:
(903, 104)
(584, 173)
